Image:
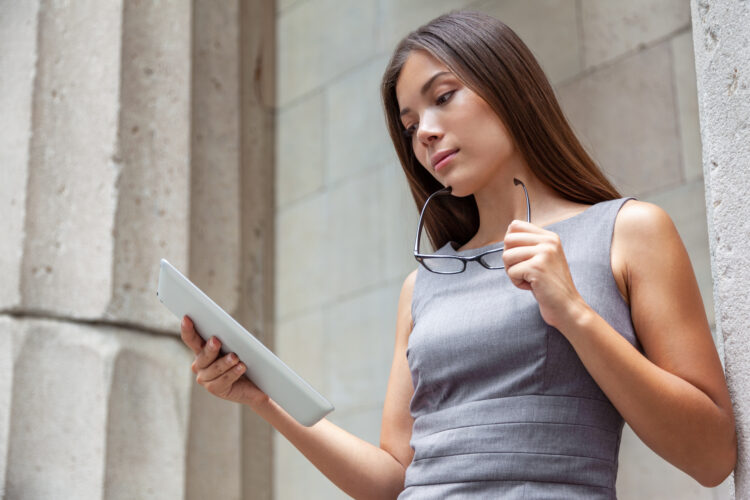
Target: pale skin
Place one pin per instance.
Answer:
(675, 398)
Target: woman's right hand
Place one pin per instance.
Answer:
(221, 376)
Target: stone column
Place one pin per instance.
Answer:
(722, 58)
(121, 142)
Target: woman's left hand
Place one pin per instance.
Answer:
(534, 260)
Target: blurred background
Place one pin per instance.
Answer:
(244, 141)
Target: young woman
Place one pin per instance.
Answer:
(530, 334)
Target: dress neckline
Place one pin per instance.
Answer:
(449, 246)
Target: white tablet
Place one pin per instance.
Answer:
(264, 369)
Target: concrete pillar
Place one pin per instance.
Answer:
(124, 135)
(722, 59)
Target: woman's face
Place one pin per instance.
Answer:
(442, 115)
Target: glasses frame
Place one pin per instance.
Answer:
(420, 257)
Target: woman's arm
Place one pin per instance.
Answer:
(359, 468)
(676, 398)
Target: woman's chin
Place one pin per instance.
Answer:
(460, 191)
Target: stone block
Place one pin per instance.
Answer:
(18, 37)
(645, 475)
(302, 279)
(686, 205)
(215, 188)
(283, 5)
(214, 449)
(625, 116)
(400, 217)
(401, 18)
(98, 411)
(686, 92)
(354, 255)
(550, 29)
(301, 344)
(72, 164)
(356, 136)
(611, 29)
(151, 195)
(319, 40)
(300, 138)
(722, 52)
(360, 333)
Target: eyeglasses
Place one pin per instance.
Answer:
(454, 264)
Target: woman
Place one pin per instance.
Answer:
(524, 340)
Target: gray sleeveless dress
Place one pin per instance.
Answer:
(502, 405)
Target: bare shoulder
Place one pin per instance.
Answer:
(641, 228)
(404, 302)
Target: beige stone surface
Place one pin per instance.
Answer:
(319, 40)
(722, 61)
(356, 136)
(215, 189)
(302, 281)
(282, 5)
(6, 392)
(301, 342)
(625, 115)
(611, 29)
(152, 191)
(687, 105)
(256, 311)
(121, 397)
(550, 29)
(354, 241)
(360, 334)
(72, 163)
(644, 475)
(399, 18)
(18, 37)
(300, 146)
(400, 216)
(214, 451)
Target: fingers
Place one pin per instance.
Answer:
(215, 369)
(190, 337)
(222, 384)
(513, 256)
(522, 225)
(207, 355)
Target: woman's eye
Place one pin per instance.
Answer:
(442, 99)
(447, 96)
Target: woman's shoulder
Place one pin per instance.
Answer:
(640, 227)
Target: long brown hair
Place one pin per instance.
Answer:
(494, 63)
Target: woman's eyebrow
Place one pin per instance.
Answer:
(425, 88)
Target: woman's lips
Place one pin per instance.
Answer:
(445, 161)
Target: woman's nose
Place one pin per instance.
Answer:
(428, 130)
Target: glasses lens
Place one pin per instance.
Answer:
(445, 265)
(494, 259)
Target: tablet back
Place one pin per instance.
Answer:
(264, 368)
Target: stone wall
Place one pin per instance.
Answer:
(129, 132)
(722, 49)
(624, 74)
